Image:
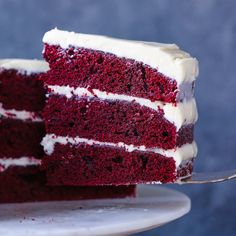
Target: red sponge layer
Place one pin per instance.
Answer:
(100, 165)
(113, 121)
(19, 138)
(28, 184)
(79, 67)
(20, 91)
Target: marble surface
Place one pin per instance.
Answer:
(206, 29)
(151, 208)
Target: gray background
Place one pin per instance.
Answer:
(206, 29)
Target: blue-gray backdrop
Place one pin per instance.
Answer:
(206, 29)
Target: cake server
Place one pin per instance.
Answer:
(209, 177)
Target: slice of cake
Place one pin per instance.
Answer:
(22, 98)
(118, 111)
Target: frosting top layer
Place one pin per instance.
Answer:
(167, 58)
(24, 65)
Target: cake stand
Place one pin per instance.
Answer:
(154, 206)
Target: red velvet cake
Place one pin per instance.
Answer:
(118, 111)
(28, 184)
(22, 98)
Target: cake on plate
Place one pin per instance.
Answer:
(22, 98)
(118, 111)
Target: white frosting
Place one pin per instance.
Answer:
(179, 154)
(183, 113)
(22, 161)
(24, 65)
(21, 115)
(167, 58)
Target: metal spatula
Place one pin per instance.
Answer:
(212, 177)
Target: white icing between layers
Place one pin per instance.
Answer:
(179, 154)
(21, 115)
(167, 58)
(24, 65)
(22, 161)
(182, 114)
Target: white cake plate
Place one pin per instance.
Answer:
(154, 206)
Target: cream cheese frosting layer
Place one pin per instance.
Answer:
(24, 66)
(179, 154)
(167, 58)
(21, 161)
(20, 115)
(182, 113)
